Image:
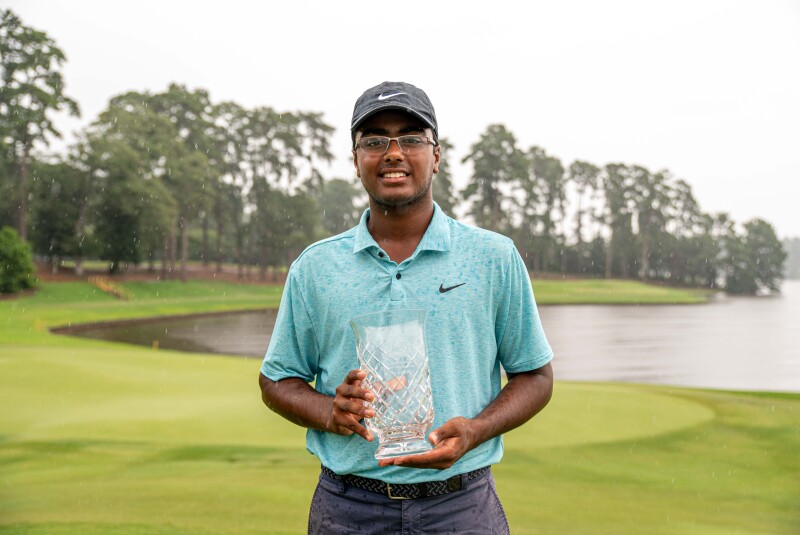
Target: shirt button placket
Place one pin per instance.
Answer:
(397, 288)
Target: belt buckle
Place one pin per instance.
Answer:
(389, 493)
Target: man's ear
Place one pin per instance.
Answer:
(436, 158)
(355, 163)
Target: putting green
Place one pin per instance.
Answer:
(584, 413)
(136, 395)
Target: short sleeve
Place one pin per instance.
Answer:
(522, 344)
(293, 350)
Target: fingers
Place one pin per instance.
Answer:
(450, 442)
(350, 405)
(440, 457)
(350, 395)
(356, 428)
(451, 428)
(398, 383)
(355, 407)
(353, 376)
(351, 386)
(363, 432)
(345, 424)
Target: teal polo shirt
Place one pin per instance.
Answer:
(490, 320)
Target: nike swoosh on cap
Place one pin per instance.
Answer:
(384, 97)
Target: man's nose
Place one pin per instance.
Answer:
(393, 151)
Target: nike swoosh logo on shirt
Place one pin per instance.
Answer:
(384, 97)
(442, 289)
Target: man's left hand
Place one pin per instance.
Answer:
(525, 394)
(450, 443)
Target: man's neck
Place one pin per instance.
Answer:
(398, 230)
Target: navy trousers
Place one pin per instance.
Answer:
(338, 509)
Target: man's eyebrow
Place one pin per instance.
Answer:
(384, 132)
(374, 131)
(418, 128)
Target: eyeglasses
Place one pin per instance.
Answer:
(410, 144)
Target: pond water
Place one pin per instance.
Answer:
(244, 334)
(739, 343)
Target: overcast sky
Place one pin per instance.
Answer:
(708, 90)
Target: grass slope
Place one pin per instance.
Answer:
(612, 291)
(97, 438)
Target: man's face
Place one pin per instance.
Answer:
(393, 178)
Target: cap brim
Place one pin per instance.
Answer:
(388, 106)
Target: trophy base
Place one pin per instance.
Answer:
(398, 449)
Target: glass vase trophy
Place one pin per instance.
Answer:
(391, 350)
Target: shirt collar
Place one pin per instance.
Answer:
(436, 237)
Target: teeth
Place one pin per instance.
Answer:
(394, 175)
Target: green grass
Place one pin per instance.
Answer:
(105, 265)
(612, 291)
(98, 438)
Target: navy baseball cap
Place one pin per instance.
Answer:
(394, 96)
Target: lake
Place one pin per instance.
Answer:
(737, 343)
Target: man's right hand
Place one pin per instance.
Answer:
(348, 407)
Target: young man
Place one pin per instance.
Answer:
(405, 253)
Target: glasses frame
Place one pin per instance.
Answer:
(428, 141)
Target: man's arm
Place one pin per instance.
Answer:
(295, 400)
(523, 397)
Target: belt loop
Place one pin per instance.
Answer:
(464, 481)
(336, 477)
(342, 485)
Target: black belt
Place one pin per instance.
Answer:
(405, 491)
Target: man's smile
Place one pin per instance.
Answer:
(393, 176)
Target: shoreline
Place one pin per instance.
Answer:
(78, 327)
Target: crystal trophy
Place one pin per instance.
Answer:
(391, 350)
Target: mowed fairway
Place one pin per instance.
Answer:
(98, 438)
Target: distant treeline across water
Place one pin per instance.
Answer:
(161, 178)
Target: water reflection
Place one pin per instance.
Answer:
(245, 334)
(750, 343)
(743, 343)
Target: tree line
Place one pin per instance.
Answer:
(618, 220)
(162, 178)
